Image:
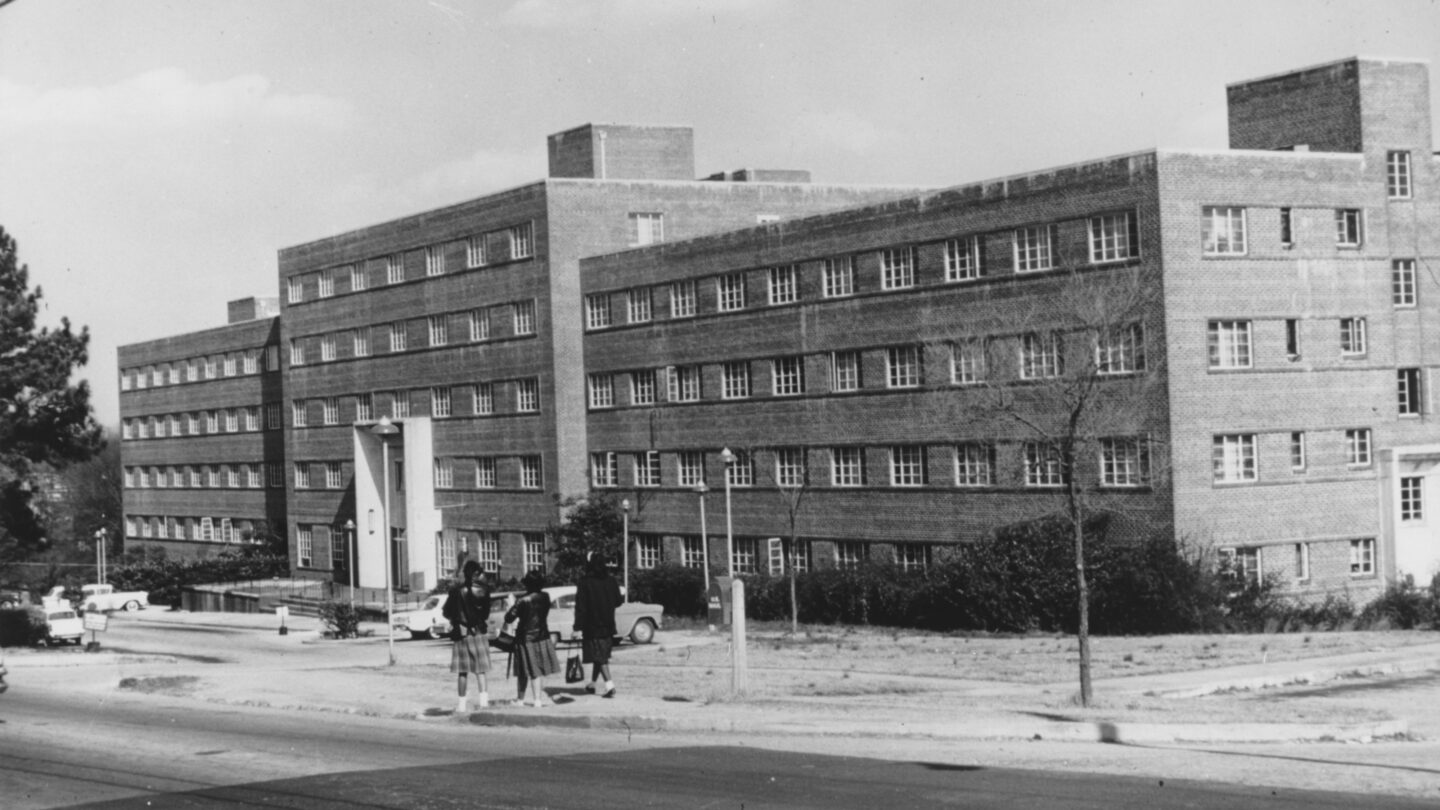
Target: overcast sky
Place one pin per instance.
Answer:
(156, 154)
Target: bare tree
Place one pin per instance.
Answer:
(788, 475)
(1081, 389)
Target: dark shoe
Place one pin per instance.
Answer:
(590, 687)
(609, 694)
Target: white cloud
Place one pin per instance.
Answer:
(159, 100)
(576, 14)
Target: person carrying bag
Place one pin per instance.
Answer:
(467, 607)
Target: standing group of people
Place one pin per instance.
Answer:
(467, 607)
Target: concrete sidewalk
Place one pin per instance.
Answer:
(302, 671)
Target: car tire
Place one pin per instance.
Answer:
(132, 606)
(643, 632)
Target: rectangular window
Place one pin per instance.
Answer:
(484, 473)
(1352, 336)
(847, 467)
(479, 325)
(439, 330)
(440, 402)
(787, 376)
(683, 383)
(327, 284)
(394, 269)
(530, 472)
(397, 336)
(333, 473)
(527, 396)
(484, 399)
(274, 474)
(845, 371)
(1408, 387)
(602, 391)
(364, 407)
(522, 241)
(1299, 459)
(229, 366)
(741, 471)
(360, 339)
(1223, 231)
(730, 292)
(1287, 229)
(962, 259)
(1347, 227)
(330, 410)
(302, 475)
(1228, 344)
(212, 422)
(1112, 238)
(691, 467)
(1397, 175)
(298, 414)
(272, 358)
(358, 282)
(646, 229)
(487, 551)
(1362, 557)
(435, 260)
(912, 556)
(597, 311)
(1241, 564)
(297, 356)
(399, 404)
(1120, 350)
(604, 470)
(839, 276)
(790, 468)
(1402, 282)
(1412, 498)
(212, 477)
(975, 465)
(682, 299)
(968, 362)
(850, 554)
(295, 289)
(647, 469)
(212, 364)
(1124, 462)
(897, 268)
(642, 387)
(525, 317)
(1357, 447)
(304, 547)
(250, 363)
(1044, 465)
(692, 552)
(735, 380)
(647, 551)
(902, 367)
(782, 288)
(747, 552)
(1032, 249)
(327, 350)
(475, 251)
(637, 306)
(232, 420)
(1292, 339)
(907, 465)
(1302, 562)
(1233, 458)
(1040, 356)
(444, 473)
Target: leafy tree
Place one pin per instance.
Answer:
(591, 524)
(45, 419)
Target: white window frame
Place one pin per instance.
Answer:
(327, 285)
(1352, 337)
(1044, 465)
(334, 475)
(602, 391)
(482, 402)
(524, 317)
(647, 551)
(1228, 344)
(897, 268)
(1410, 391)
(690, 468)
(1041, 356)
(1299, 452)
(638, 305)
(962, 259)
(735, 379)
(791, 470)
(1034, 248)
(604, 470)
(1233, 458)
(485, 473)
(439, 328)
(838, 276)
(1412, 498)
(1358, 444)
(1124, 462)
(1222, 230)
(597, 311)
(907, 465)
(399, 336)
(646, 228)
(1397, 175)
(904, 367)
(364, 407)
(479, 325)
(358, 281)
(845, 371)
(444, 473)
(647, 469)
(435, 260)
(531, 473)
(1402, 282)
(1349, 227)
(1120, 350)
(527, 395)
(522, 240)
(974, 464)
(1362, 557)
(295, 290)
(683, 383)
(682, 299)
(395, 268)
(327, 349)
(475, 252)
(440, 402)
(360, 341)
(304, 547)
(787, 376)
(642, 387)
(730, 292)
(1111, 238)
(783, 287)
(847, 466)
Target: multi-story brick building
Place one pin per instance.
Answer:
(1251, 322)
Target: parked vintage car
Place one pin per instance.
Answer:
(636, 621)
(105, 597)
(428, 621)
(62, 623)
(14, 597)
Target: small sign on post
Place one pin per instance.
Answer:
(283, 611)
(96, 622)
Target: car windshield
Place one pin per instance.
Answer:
(431, 603)
(63, 614)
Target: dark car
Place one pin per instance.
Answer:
(14, 597)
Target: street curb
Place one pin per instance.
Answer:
(84, 659)
(1326, 675)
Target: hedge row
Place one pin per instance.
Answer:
(164, 578)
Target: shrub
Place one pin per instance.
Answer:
(680, 590)
(163, 579)
(1404, 606)
(341, 619)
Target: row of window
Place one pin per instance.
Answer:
(1224, 230)
(209, 476)
(1245, 562)
(473, 399)
(1038, 356)
(1235, 456)
(202, 423)
(480, 250)
(1110, 237)
(483, 546)
(439, 330)
(753, 555)
(196, 369)
(203, 529)
(1122, 461)
(488, 472)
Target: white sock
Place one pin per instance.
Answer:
(483, 700)
(460, 706)
(609, 685)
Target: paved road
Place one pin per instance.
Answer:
(164, 753)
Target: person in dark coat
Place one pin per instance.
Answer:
(534, 648)
(596, 597)
(467, 606)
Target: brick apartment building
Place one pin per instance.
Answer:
(898, 357)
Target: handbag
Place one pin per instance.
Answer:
(505, 642)
(574, 670)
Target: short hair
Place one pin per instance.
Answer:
(471, 569)
(534, 581)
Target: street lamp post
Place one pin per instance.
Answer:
(384, 429)
(625, 538)
(701, 489)
(350, 545)
(100, 556)
(729, 459)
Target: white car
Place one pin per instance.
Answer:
(637, 621)
(426, 622)
(62, 624)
